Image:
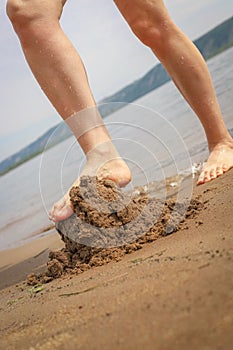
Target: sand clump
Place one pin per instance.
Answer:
(108, 223)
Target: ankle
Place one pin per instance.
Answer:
(103, 151)
(227, 142)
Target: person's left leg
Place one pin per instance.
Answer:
(152, 24)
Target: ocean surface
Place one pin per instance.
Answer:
(158, 135)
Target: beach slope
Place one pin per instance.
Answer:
(174, 293)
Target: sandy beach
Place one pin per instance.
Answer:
(173, 293)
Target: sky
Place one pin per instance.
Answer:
(113, 58)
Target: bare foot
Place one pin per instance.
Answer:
(220, 160)
(98, 164)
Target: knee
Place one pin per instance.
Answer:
(152, 33)
(20, 13)
(145, 32)
(23, 14)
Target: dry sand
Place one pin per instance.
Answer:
(173, 293)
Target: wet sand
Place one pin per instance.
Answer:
(173, 293)
(17, 263)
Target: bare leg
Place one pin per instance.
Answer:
(151, 22)
(60, 72)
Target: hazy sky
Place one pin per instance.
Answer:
(111, 53)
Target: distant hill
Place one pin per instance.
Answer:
(35, 148)
(212, 43)
(217, 40)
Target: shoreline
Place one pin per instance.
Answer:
(18, 262)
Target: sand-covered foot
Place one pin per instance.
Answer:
(220, 160)
(61, 209)
(115, 170)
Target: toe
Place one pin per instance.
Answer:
(200, 179)
(204, 177)
(225, 168)
(51, 213)
(63, 213)
(56, 208)
(61, 210)
(219, 170)
(212, 174)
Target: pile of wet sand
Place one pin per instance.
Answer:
(108, 223)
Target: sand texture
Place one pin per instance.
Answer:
(162, 291)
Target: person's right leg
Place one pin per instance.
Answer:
(151, 22)
(60, 72)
